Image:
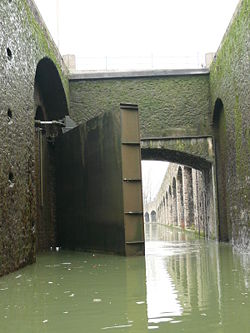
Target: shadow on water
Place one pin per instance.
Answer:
(185, 284)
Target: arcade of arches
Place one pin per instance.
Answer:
(180, 201)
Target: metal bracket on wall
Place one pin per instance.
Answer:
(132, 181)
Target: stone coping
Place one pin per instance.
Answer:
(95, 75)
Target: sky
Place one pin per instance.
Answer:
(137, 28)
(138, 34)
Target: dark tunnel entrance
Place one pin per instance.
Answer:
(50, 109)
(219, 127)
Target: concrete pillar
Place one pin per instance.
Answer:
(180, 205)
(174, 201)
(188, 197)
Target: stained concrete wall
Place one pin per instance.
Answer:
(89, 186)
(170, 105)
(229, 82)
(24, 41)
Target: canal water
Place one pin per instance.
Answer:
(184, 284)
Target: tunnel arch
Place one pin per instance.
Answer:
(50, 104)
(49, 93)
(220, 139)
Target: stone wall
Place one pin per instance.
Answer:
(169, 105)
(181, 201)
(229, 85)
(24, 42)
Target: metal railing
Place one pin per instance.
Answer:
(106, 63)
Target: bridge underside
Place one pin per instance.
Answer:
(193, 152)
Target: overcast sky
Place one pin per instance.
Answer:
(112, 28)
(130, 28)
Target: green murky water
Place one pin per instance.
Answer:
(184, 285)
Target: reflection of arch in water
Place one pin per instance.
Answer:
(153, 216)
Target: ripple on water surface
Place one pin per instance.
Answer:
(182, 285)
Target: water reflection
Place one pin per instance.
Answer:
(193, 282)
(188, 284)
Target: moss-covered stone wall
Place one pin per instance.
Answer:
(229, 83)
(171, 105)
(24, 41)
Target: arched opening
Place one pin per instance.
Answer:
(189, 187)
(219, 130)
(49, 91)
(174, 199)
(163, 211)
(50, 109)
(188, 198)
(180, 205)
(146, 217)
(170, 206)
(167, 209)
(153, 216)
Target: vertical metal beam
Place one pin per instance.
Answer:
(132, 181)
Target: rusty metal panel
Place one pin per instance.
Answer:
(130, 125)
(133, 227)
(131, 162)
(132, 184)
(132, 197)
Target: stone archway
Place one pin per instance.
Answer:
(180, 204)
(153, 216)
(50, 109)
(219, 129)
(174, 200)
(185, 152)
